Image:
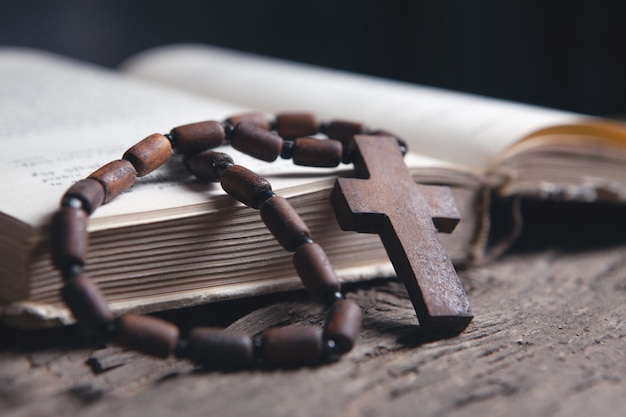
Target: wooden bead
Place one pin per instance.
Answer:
(147, 334)
(246, 186)
(256, 142)
(116, 177)
(343, 325)
(293, 125)
(149, 154)
(290, 346)
(284, 223)
(209, 165)
(317, 153)
(221, 349)
(87, 304)
(90, 193)
(343, 130)
(197, 137)
(316, 272)
(68, 238)
(255, 118)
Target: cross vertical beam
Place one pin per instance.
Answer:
(385, 200)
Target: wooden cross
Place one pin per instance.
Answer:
(385, 200)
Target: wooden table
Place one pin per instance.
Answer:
(549, 339)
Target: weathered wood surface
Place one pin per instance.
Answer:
(548, 339)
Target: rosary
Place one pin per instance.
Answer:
(381, 199)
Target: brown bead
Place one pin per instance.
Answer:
(90, 193)
(343, 130)
(87, 304)
(149, 154)
(209, 165)
(197, 137)
(317, 153)
(316, 272)
(256, 142)
(116, 177)
(246, 186)
(255, 118)
(221, 349)
(343, 325)
(147, 334)
(68, 238)
(284, 223)
(290, 346)
(293, 125)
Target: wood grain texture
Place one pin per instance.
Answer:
(548, 339)
(384, 199)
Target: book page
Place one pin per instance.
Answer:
(460, 128)
(61, 120)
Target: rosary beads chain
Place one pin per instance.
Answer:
(251, 133)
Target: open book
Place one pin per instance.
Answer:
(173, 242)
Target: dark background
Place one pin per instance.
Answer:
(567, 55)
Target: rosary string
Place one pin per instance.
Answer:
(289, 136)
